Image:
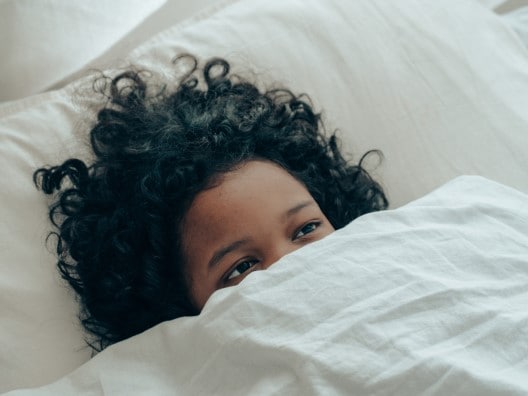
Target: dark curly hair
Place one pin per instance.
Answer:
(118, 218)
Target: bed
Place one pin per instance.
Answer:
(429, 297)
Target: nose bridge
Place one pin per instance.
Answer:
(278, 250)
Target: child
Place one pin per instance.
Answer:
(190, 191)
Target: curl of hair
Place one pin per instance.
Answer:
(118, 218)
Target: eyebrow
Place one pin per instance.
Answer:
(297, 208)
(223, 251)
(220, 253)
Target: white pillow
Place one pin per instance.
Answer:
(493, 3)
(440, 87)
(45, 41)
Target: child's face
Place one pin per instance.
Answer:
(252, 217)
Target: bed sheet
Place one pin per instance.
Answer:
(428, 299)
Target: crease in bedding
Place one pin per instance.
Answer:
(430, 298)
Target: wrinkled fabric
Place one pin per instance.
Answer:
(431, 298)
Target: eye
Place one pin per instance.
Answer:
(306, 229)
(241, 268)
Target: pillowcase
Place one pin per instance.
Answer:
(414, 80)
(45, 41)
(440, 87)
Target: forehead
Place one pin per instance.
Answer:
(242, 196)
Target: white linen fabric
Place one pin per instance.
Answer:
(431, 298)
(44, 41)
(441, 87)
(492, 3)
(518, 21)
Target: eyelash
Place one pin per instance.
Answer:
(315, 225)
(250, 263)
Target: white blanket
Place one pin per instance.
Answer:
(431, 298)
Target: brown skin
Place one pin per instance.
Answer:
(249, 219)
